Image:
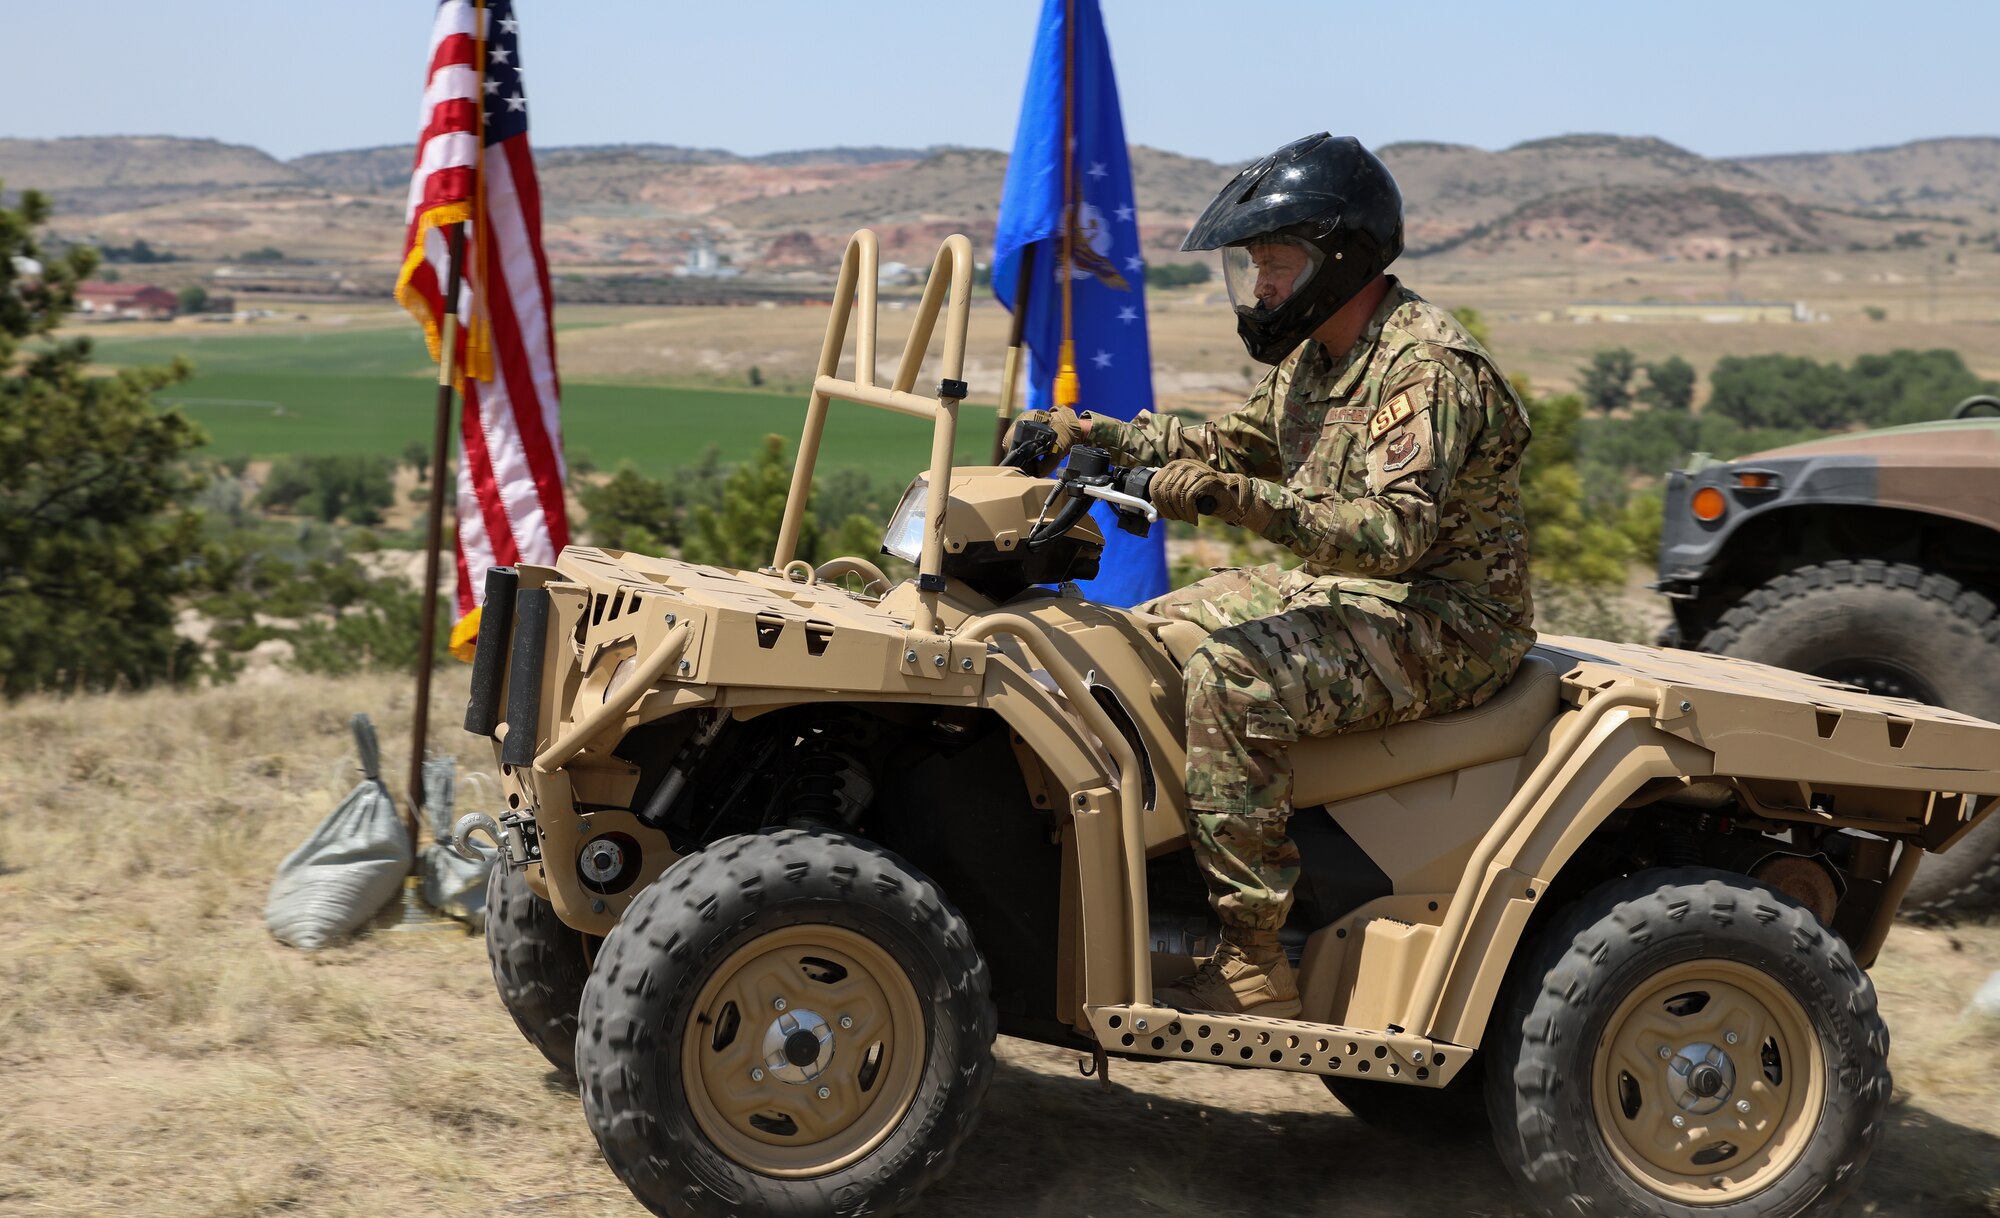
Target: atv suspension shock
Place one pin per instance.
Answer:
(692, 752)
(828, 784)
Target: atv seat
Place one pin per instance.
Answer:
(1346, 764)
(1328, 768)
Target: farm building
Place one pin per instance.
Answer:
(133, 301)
(1690, 310)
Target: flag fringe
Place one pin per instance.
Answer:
(478, 361)
(465, 636)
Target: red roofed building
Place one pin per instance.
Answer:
(135, 301)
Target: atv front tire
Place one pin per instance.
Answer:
(1687, 1044)
(1898, 630)
(791, 1023)
(539, 965)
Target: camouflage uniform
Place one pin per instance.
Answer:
(1393, 472)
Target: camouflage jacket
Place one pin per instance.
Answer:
(1393, 471)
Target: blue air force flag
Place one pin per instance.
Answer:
(1108, 302)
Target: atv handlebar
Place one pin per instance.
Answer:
(1088, 475)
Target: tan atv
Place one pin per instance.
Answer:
(822, 843)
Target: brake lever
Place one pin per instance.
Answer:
(1130, 503)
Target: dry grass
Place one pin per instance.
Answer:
(161, 1055)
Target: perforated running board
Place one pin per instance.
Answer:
(1277, 1044)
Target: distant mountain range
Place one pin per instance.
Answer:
(642, 204)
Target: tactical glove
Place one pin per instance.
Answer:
(1065, 422)
(1179, 486)
(1185, 489)
(1232, 499)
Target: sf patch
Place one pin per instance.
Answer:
(1396, 410)
(1402, 447)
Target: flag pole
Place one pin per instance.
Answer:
(1064, 390)
(434, 531)
(1010, 372)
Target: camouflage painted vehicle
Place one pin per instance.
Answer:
(1871, 559)
(783, 853)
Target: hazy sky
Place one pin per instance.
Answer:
(1224, 80)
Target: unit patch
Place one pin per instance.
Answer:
(1406, 449)
(1401, 451)
(1396, 410)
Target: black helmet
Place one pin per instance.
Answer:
(1333, 205)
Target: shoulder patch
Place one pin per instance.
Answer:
(1401, 451)
(1396, 410)
(1409, 450)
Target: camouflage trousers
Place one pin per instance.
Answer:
(1288, 657)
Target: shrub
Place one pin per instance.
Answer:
(355, 488)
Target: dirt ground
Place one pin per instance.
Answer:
(162, 1055)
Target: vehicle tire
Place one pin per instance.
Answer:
(1893, 629)
(1964, 879)
(1453, 1113)
(539, 965)
(708, 1097)
(1681, 962)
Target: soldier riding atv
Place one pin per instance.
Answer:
(781, 854)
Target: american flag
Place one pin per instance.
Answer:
(473, 165)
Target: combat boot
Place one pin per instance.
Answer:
(1247, 975)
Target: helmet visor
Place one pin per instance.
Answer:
(1262, 274)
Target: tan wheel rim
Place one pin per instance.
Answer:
(1707, 1082)
(804, 1051)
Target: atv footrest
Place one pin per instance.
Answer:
(1276, 1044)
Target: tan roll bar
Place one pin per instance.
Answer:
(950, 270)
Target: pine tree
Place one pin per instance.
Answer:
(629, 512)
(743, 531)
(94, 541)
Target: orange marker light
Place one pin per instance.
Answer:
(1751, 481)
(1708, 505)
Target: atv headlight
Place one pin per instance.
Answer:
(905, 538)
(620, 675)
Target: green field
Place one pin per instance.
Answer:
(366, 392)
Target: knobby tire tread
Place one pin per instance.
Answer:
(1537, 1056)
(539, 966)
(701, 909)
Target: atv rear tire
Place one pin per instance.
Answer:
(1687, 1044)
(1893, 629)
(791, 1023)
(539, 965)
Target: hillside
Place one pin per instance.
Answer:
(118, 172)
(359, 170)
(368, 170)
(1686, 222)
(1451, 188)
(643, 205)
(1923, 176)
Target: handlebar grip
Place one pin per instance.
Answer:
(1205, 504)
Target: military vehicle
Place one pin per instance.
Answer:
(783, 853)
(1872, 559)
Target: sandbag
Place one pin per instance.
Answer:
(454, 886)
(1986, 1003)
(351, 866)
